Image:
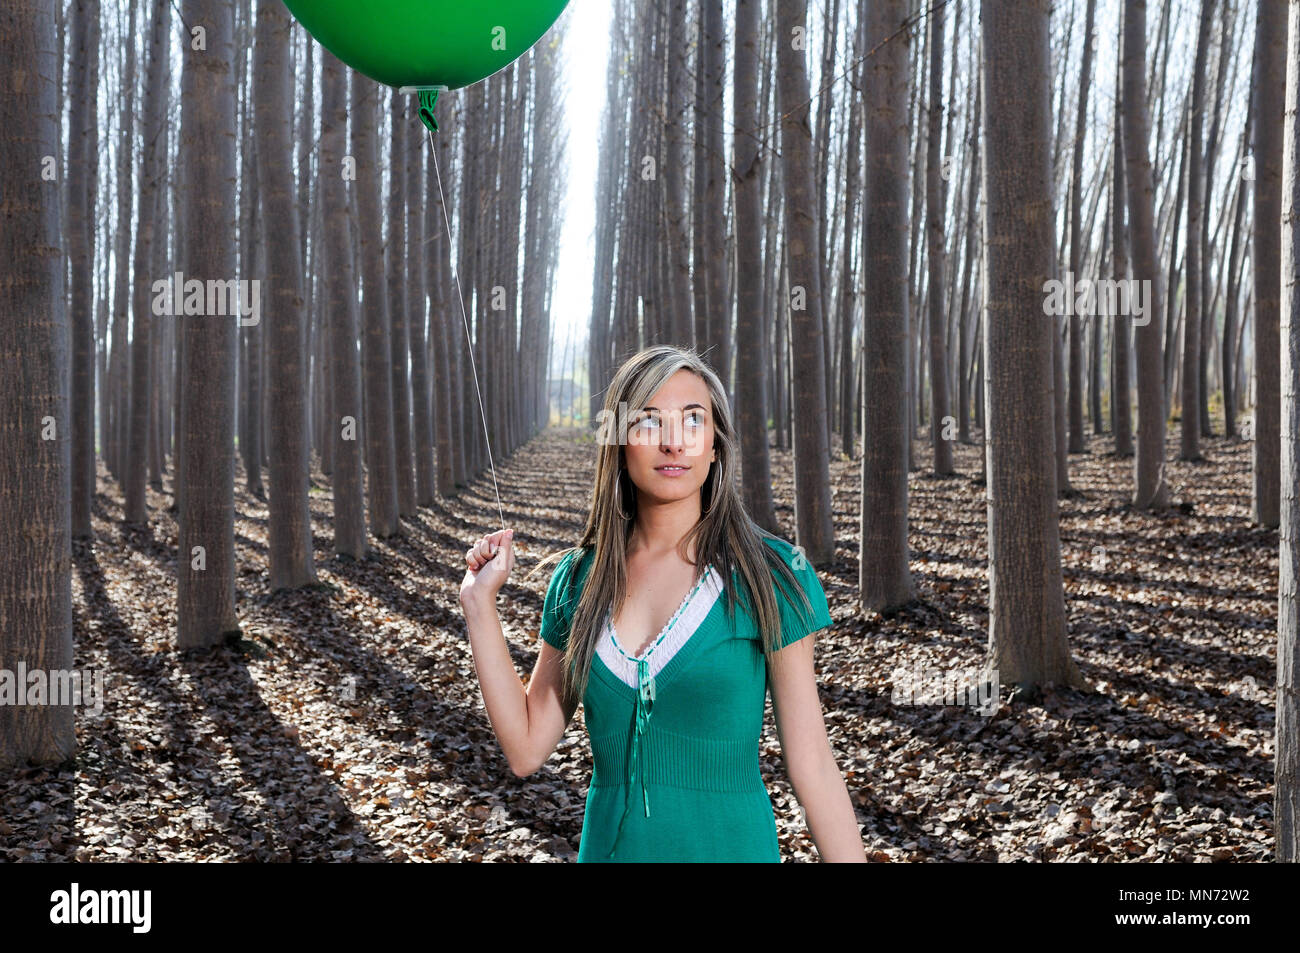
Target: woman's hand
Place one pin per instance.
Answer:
(489, 563)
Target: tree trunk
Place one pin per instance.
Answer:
(1286, 798)
(400, 301)
(345, 380)
(440, 407)
(1028, 645)
(376, 343)
(751, 375)
(206, 559)
(815, 532)
(884, 579)
(1078, 440)
(1230, 309)
(714, 210)
(1268, 103)
(936, 203)
(1150, 489)
(151, 171)
(1120, 386)
(1192, 364)
(291, 555)
(36, 558)
(116, 399)
(82, 171)
(850, 352)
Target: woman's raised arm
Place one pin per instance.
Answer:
(530, 722)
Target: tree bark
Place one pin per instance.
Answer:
(1286, 798)
(1078, 439)
(1191, 419)
(1150, 489)
(36, 558)
(151, 171)
(751, 375)
(814, 529)
(345, 415)
(291, 557)
(376, 343)
(884, 578)
(206, 559)
(1028, 645)
(399, 301)
(936, 203)
(82, 172)
(714, 210)
(1268, 104)
(1121, 389)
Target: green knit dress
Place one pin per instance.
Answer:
(674, 734)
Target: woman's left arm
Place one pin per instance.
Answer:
(816, 777)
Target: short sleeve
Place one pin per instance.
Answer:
(796, 621)
(557, 609)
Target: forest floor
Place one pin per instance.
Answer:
(348, 724)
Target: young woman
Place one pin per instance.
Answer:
(670, 620)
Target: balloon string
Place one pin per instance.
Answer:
(465, 318)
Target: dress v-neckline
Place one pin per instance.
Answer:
(667, 626)
(665, 654)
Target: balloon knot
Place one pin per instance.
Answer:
(429, 100)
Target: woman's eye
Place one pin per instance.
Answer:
(647, 423)
(695, 419)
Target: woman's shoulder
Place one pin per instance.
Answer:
(562, 594)
(790, 554)
(801, 613)
(572, 565)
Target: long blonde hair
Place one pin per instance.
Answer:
(725, 536)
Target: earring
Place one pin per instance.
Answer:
(618, 494)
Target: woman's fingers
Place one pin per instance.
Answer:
(487, 548)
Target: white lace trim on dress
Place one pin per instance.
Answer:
(688, 621)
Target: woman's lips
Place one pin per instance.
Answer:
(672, 470)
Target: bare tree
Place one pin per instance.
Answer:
(1121, 389)
(290, 515)
(884, 579)
(1286, 799)
(399, 300)
(713, 211)
(751, 375)
(1027, 632)
(936, 204)
(206, 560)
(151, 173)
(82, 172)
(1150, 489)
(681, 329)
(114, 403)
(1078, 441)
(1268, 103)
(815, 532)
(1192, 355)
(344, 420)
(376, 345)
(36, 558)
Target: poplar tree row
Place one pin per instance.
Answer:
(209, 155)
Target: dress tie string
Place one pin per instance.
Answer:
(645, 697)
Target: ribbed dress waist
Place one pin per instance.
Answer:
(702, 764)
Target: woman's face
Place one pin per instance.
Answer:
(670, 441)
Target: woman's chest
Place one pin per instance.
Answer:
(707, 679)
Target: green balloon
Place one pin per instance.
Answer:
(451, 43)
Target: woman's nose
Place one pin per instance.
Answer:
(670, 434)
